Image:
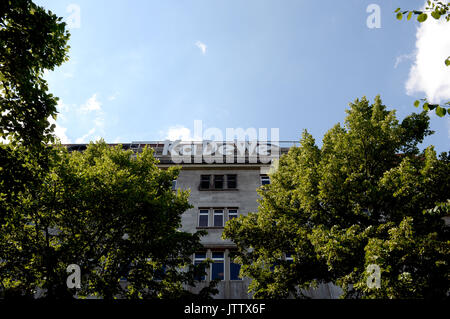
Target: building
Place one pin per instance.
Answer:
(222, 184)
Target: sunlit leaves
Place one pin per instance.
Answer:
(357, 200)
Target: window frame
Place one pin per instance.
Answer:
(199, 260)
(237, 276)
(263, 178)
(214, 217)
(228, 181)
(219, 178)
(203, 214)
(232, 209)
(203, 180)
(220, 261)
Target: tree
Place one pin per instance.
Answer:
(31, 41)
(111, 212)
(365, 197)
(437, 9)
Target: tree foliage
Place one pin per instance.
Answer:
(112, 213)
(31, 40)
(367, 196)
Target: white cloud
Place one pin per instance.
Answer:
(60, 132)
(113, 97)
(61, 106)
(201, 46)
(429, 74)
(402, 58)
(178, 132)
(92, 104)
(83, 139)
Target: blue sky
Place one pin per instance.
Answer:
(145, 70)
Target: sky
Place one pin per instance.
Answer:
(146, 70)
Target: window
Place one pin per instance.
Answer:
(290, 258)
(234, 271)
(231, 181)
(205, 181)
(124, 270)
(218, 217)
(198, 259)
(265, 180)
(217, 267)
(203, 218)
(218, 181)
(232, 213)
(174, 184)
(160, 272)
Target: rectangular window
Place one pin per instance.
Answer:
(174, 184)
(198, 259)
(217, 267)
(231, 181)
(218, 217)
(205, 181)
(203, 218)
(218, 181)
(265, 180)
(234, 271)
(232, 213)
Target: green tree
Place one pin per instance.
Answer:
(362, 198)
(111, 212)
(438, 10)
(31, 41)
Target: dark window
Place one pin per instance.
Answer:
(218, 181)
(232, 213)
(218, 218)
(290, 258)
(203, 218)
(198, 259)
(217, 268)
(205, 181)
(265, 180)
(124, 270)
(160, 272)
(231, 181)
(234, 271)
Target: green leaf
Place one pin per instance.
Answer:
(447, 62)
(409, 15)
(399, 16)
(397, 10)
(435, 15)
(440, 111)
(425, 106)
(417, 103)
(422, 17)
